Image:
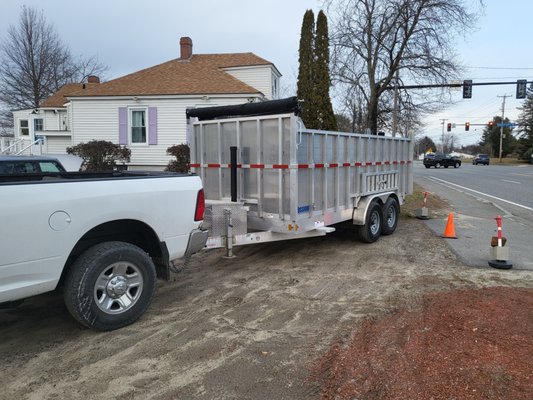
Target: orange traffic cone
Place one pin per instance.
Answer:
(449, 232)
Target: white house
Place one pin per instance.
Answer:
(145, 110)
(49, 122)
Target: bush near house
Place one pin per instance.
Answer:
(183, 158)
(100, 155)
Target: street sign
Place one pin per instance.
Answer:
(506, 124)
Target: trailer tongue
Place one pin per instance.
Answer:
(268, 177)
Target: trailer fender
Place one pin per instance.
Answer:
(359, 212)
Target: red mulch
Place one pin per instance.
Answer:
(467, 344)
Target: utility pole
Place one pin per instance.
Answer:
(501, 126)
(443, 123)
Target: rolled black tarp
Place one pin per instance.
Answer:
(283, 106)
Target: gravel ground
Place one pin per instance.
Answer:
(248, 328)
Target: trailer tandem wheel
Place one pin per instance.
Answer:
(371, 230)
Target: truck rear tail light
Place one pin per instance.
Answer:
(200, 206)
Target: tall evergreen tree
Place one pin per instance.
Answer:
(305, 69)
(325, 118)
(525, 127)
(491, 138)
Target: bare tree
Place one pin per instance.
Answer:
(34, 62)
(376, 40)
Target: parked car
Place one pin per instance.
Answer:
(481, 159)
(441, 159)
(29, 165)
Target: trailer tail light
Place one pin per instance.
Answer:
(200, 206)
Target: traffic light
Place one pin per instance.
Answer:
(521, 88)
(449, 129)
(467, 89)
(467, 126)
(491, 124)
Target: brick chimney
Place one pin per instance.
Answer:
(93, 79)
(185, 48)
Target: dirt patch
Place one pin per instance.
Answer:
(245, 328)
(466, 344)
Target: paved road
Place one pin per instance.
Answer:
(477, 194)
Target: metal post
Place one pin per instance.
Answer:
(233, 173)
(501, 127)
(229, 233)
(443, 123)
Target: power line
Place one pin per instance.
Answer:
(517, 68)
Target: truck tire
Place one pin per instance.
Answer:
(371, 230)
(391, 212)
(110, 285)
(456, 165)
(437, 165)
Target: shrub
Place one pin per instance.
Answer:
(183, 158)
(100, 155)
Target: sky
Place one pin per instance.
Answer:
(130, 35)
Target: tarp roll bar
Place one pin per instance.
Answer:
(288, 105)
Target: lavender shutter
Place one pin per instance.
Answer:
(123, 125)
(152, 125)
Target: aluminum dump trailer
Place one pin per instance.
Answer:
(287, 181)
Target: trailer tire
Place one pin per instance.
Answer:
(391, 213)
(371, 230)
(110, 285)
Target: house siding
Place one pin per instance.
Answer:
(259, 78)
(98, 119)
(56, 144)
(51, 120)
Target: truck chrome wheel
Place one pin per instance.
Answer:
(118, 287)
(110, 285)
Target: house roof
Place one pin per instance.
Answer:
(59, 98)
(201, 74)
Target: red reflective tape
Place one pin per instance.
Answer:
(387, 162)
(378, 163)
(257, 165)
(334, 165)
(346, 164)
(213, 165)
(402, 162)
(409, 161)
(368, 163)
(280, 166)
(358, 164)
(395, 162)
(238, 165)
(195, 165)
(302, 166)
(319, 165)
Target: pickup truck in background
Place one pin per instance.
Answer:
(103, 237)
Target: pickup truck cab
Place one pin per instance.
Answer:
(29, 164)
(103, 237)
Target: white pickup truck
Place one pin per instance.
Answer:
(102, 237)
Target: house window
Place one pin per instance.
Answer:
(138, 126)
(24, 127)
(275, 88)
(38, 125)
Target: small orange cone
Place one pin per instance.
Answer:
(449, 232)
